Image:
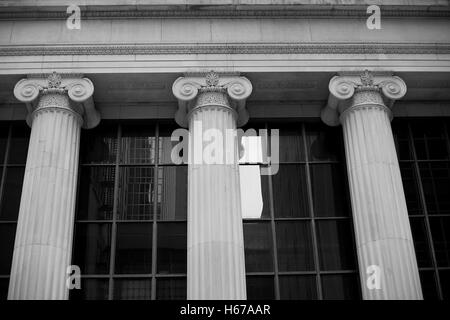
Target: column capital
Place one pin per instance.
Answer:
(224, 89)
(75, 87)
(354, 89)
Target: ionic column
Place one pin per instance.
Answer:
(386, 256)
(58, 108)
(212, 107)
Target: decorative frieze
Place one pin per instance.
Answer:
(220, 12)
(266, 48)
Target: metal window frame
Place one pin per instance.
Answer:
(5, 165)
(317, 272)
(117, 164)
(426, 216)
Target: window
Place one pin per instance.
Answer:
(423, 149)
(13, 154)
(130, 233)
(301, 246)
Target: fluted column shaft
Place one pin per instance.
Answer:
(383, 233)
(42, 249)
(216, 266)
(386, 255)
(216, 261)
(43, 243)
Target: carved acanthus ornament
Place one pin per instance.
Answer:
(351, 91)
(197, 90)
(69, 92)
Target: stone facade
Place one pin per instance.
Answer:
(219, 64)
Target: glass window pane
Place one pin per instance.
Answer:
(421, 244)
(255, 201)
(166, 145)
(295, 247)
(172, 193)
(340, 287)
(171, 289)
(251, 146)
(18, 147)
(265, 213)
(329, 190)
(252, 183)
(428, 283)
(440, 231)
(132, 289)
(324, 143)
(298, 288)
(402, 140)
(4, 132)
(134, 248)
(411, 188)
(436, 186)
(92, 247)
(99, 145)
(430, 140)
(444, 276)
(260, 288)
(91, 289)
(291, 148)
(7, 237)
(172, 248)
(4, 285)
(290, 195)
(258, 247)
(96, 193)
(138, 145)
(335, 243)
(136, 193)
(12, 191)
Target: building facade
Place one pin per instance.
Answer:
(123, 164)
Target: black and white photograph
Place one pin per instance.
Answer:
(225, 154)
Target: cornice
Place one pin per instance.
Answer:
(286, 12)
(159, 49)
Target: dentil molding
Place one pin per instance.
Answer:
(224, 48)
(230, 12)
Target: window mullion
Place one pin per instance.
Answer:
(311, 213)
(425, 211)
(114, 217)
(4, 165)
(272, 223)
(155, 213)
